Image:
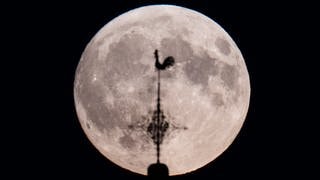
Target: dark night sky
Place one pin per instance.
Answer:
(44, 139)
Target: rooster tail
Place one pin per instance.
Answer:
(168, 62)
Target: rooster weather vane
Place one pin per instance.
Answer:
(158, 125)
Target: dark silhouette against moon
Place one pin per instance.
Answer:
(169, 61)
(183, 123)
(158, 127)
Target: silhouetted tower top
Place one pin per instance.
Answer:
(158, 125)
(169, 61)
(158, 171)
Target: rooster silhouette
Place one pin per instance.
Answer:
(169, 61)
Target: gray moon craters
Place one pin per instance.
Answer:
(88, 125)
(127, 141)
(130, 52)
(176, 47)
(92, 94)
(198, 68)
(223, 46)
(217, 99)
(229, 75)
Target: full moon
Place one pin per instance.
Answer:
(204, 96)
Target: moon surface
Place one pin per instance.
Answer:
(204, 96)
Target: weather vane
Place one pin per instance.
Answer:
(204, 105)
(158, 125)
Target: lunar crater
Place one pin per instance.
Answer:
(230, 75)
(130, 52)
(127, 142)
(223, 46)
(218, 99)
(198, 68)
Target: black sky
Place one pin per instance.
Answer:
(44, 41)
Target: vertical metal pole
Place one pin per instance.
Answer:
(158, 119)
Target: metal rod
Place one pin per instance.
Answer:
(158, 119)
